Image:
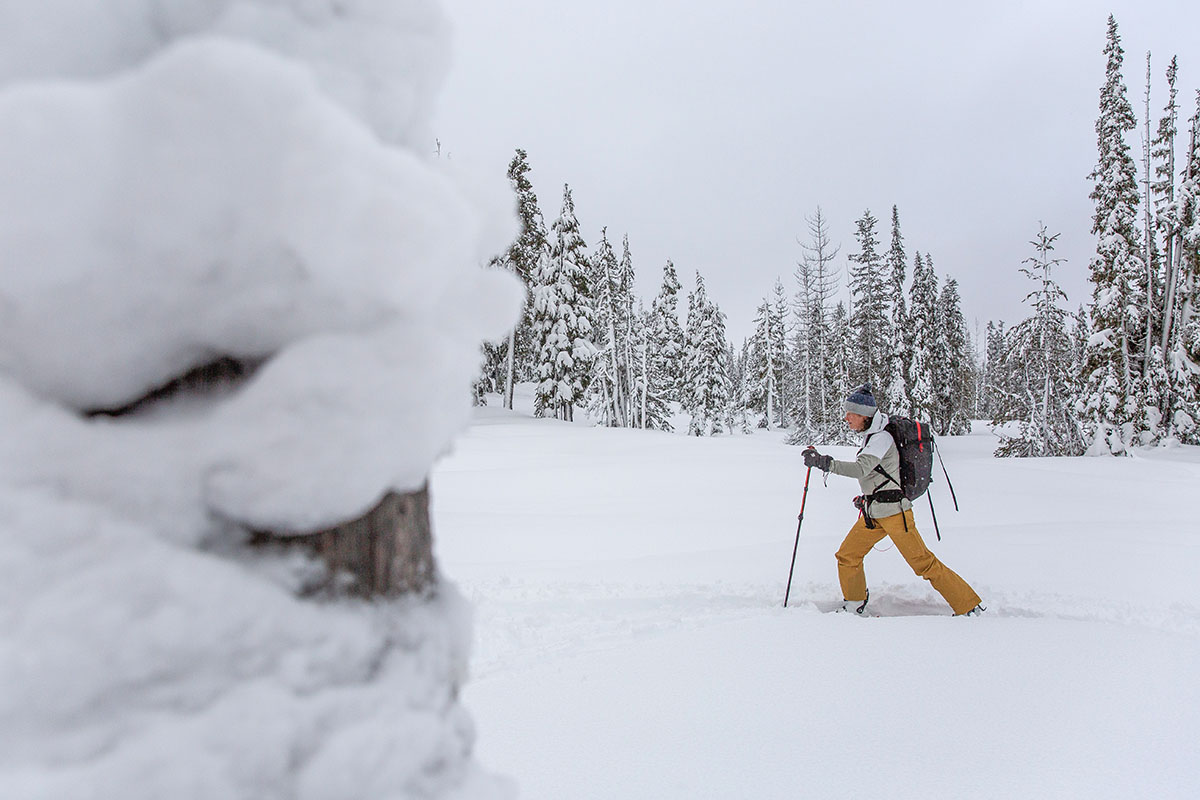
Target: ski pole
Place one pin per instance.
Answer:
(796, 546)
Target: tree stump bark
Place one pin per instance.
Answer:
(388, 552)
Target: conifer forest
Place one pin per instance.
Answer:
(1099, 375)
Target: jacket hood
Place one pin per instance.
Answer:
(878, 422)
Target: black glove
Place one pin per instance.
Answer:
(814, 459)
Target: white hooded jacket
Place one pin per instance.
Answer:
(879, 449)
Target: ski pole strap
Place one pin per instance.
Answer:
(948, 483)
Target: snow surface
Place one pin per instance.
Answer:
(183, 180)
(631, 640)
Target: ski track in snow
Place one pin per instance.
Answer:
(521, 624)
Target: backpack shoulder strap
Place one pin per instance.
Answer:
(879, 468)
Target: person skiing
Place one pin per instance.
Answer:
(883, 512)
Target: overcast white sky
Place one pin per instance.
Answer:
(708, 131)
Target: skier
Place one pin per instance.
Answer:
(883, 512)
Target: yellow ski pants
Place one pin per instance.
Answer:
(861, 539)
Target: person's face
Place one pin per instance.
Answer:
(857, 422)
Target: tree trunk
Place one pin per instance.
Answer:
(386, 553)
(511, 367)
(617, 399)
(645, 384)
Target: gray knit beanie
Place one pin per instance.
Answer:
(861, 401)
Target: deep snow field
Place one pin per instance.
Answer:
(631, 640)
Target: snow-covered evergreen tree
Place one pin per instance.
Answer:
(1038, 357)
(870, 307)
(895, 387)
(506, 362)
(563, 319)
(613, 401)
(708, 367)
(1170, 208)
(840, 381)
(691, 344)
(922, 340)
(938, 360)
(608, 403)
(767, 362)
(990, 361)
(1183, 348)
(1161, 384)
(979, 373)
(995, 379)
(1152, 262)
(1155, 382)
(1112, 399)
(666, 335)
(626, 321)
(760, 383)
(956, 372)
(510, 361)
(652, 383)
(741, 401)
(783, 397)
(1166, 210)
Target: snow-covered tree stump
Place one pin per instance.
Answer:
(223, 394)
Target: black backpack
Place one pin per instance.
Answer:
(914, 441)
